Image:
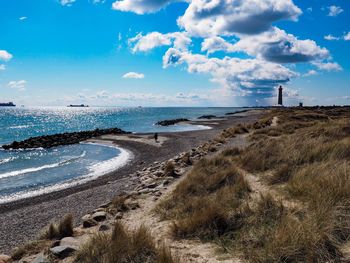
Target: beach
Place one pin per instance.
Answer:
(22, 220)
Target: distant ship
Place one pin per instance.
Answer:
(7, 104)
(78, 106)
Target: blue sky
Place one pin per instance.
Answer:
(171, 53)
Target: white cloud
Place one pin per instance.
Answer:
(331, 37)
(274, 45)
(347, 37)
(2, 67)
(309, 9)
(245, 76)
(23, 18)
(214, 44)
(67, 2)
(226, 17)
(140, 6)
(144, 43)
(311, 73)
(133, 75)
(5, 56)
(328, 66)
(334, 10)
(19, 85)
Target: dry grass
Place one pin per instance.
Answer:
(124, 247)
(201, 201)
(308, 156)
(58, 231)
(30, 248)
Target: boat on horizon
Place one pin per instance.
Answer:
(78, 106)
(7, 104)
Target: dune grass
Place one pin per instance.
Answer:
(307, 157)
(123, 246)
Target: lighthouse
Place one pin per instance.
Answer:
(280, 100)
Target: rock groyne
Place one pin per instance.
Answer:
(48, 141)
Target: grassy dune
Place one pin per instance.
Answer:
(304, 160)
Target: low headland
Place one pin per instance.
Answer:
(269, 186)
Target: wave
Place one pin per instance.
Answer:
(96, 171)
(40, 168)
(7, 160)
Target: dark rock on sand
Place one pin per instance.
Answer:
(208, 117)
(49, 141)
(63, 251)
(99, 216)
(104, 227)
(171, 122)
(89, 222)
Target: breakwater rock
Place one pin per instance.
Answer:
(48, 141)
(208, 117)
(171, 122)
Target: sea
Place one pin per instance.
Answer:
(32, 172)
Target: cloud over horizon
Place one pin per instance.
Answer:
(133, 75)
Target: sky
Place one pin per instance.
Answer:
(174, 53)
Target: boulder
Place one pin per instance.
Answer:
(99, 216)
(41, 258)
(63, 251)
(104, 227)
(5, 258)
(89, 223)
(69, 241)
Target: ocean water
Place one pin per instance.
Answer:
(25, 173)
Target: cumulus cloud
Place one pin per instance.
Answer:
(347, 37)
(335, 10)
(23, 18)
(328, 66)
(144, 43)
(226, 17)
(274, 45)
(2, 67)
(140, 6)
(67, 2)
(245, 76)
(18, 85)
(5, 56)
(133, 75)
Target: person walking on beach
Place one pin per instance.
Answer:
(156, 137)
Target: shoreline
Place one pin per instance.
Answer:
(23, 219)
(120, 160)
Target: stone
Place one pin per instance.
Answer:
(5, 258)
(104, 227)
(85, 217)
(99, 210)
(144, 191)
(119, 215)
(105, 205)
(41, 258)
(152, 185)
(63, 251)
(99, 216)
(69, 241)
(89, 223)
